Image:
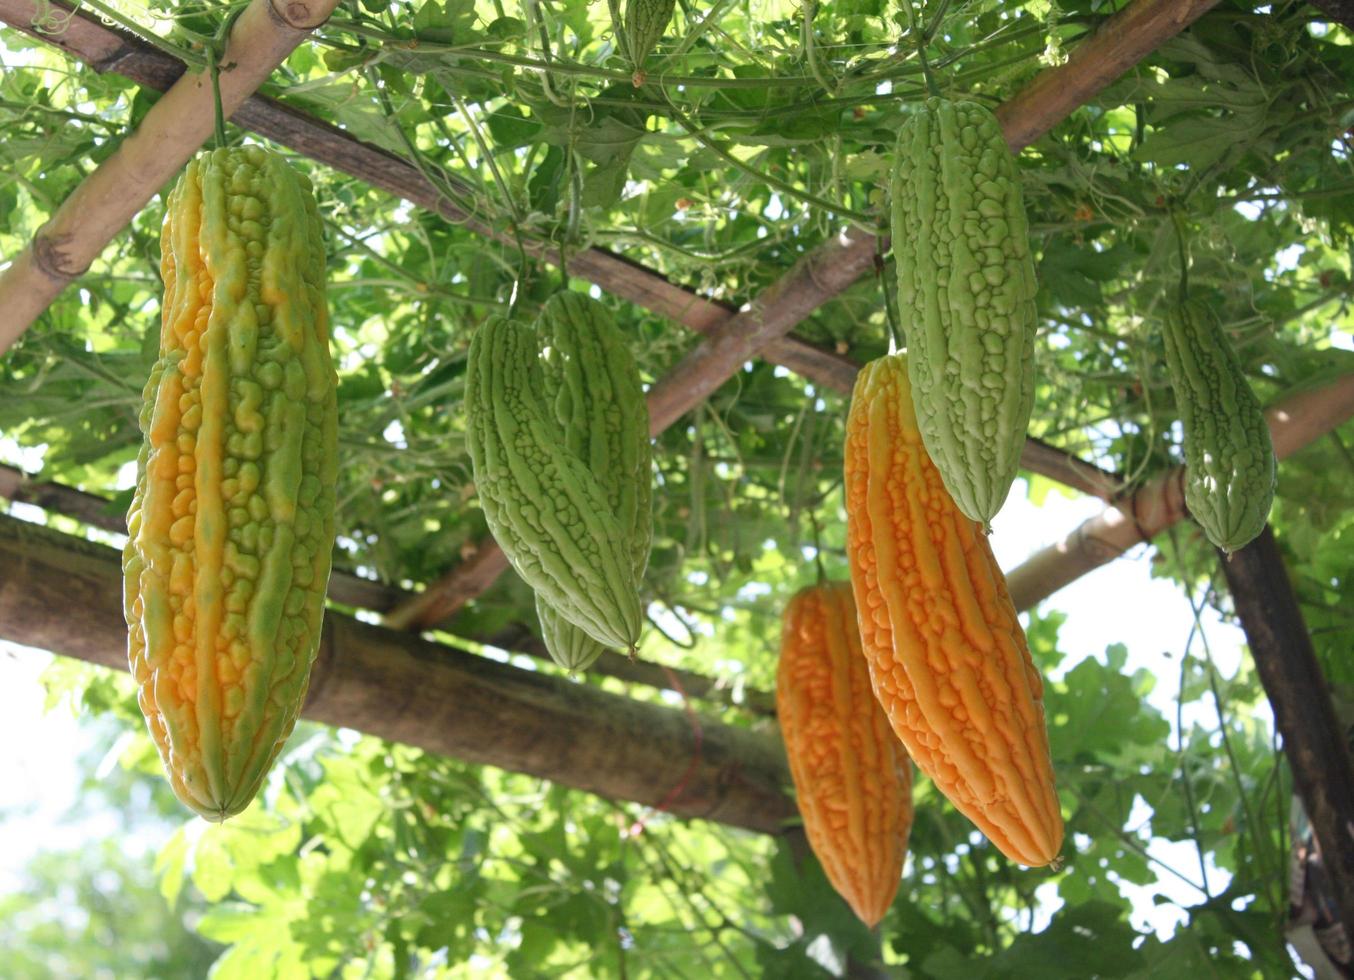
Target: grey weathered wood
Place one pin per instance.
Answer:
(64, 594)
(1316, 746)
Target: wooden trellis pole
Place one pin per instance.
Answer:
(64, 594)
(171, 132)
(362, 593)
(1316, 746)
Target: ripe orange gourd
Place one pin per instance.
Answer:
(853, 780)
(948, 658)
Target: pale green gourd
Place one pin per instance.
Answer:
(966, 291)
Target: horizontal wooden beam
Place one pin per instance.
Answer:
(363, 593)
(64, 594)
(1294, 422)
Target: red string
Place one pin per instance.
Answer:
(698, 735)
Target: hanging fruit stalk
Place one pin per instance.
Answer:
(853, 780)
(947, 655)
(231, 526)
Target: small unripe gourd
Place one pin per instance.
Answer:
(546, 509)
(1229, 459)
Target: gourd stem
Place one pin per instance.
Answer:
(215, 50)
(214, 69)
(817, 548)
(931, 87)
(1181, 241)
(890, 303)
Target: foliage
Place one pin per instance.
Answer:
(763, 128)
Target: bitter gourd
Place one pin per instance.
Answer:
(542, 503)
(1229, 459)
(853, 780)
(948, 658)
(231, 525)
(966, 291)
(592, 388)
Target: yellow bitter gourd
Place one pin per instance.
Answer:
(231, 527)
(948, 658)
(593, 390)
(853, 780)
(966, 291)
(543, 505)
(1229, 459)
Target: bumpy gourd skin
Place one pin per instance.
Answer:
(966, 291)
(231, 527)
(593, 391)
(853, 780)
(1229, 459)
(543, 506)
(645, 22)
(948, 658)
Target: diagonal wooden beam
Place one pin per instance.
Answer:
(1294, 423)
(833, 267)
(108, 49)
(64, 594)
(171, 132)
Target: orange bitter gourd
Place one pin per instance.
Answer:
(853, 780)
(231, 528)
(1229, 459)
(966, 291)
(947, 655)
(593, 390)
(545, 508)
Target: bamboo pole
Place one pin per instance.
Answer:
(64, 594)
(1313, 740)
(171, 132)
(1295, 422)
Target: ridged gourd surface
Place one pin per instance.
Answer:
(966, 290)
(1229, 458)
(644, 24)
(853, 780)
(545, 508)
(947, 656)
(593, 390)
(231, 527)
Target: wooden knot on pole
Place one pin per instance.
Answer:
(295, 14)
(49, 256)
